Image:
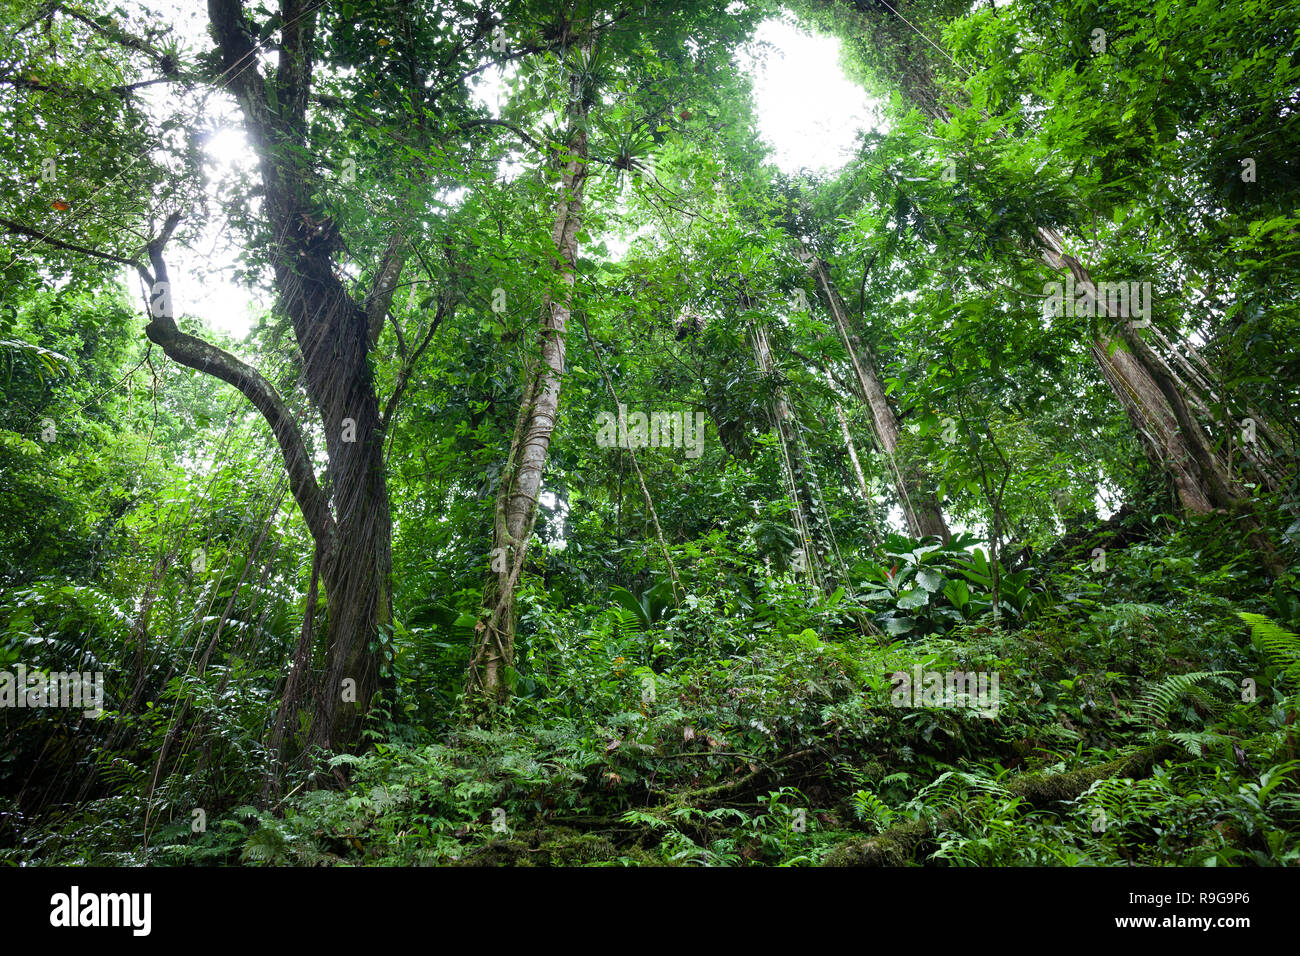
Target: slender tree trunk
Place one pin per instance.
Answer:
(516, 507)
(792, 462)
(849, 446)
(920, 507)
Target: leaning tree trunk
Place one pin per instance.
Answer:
(521, 481)
(1156, 428)
(1198, 471)
(1147, 389)
(1186, 454)
(920, 506)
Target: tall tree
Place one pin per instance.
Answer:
(920, 507)
(659, 58)
(521, 480)
(296, 108)
(897, 49)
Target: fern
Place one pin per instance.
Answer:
(267, 845)
(1118, 801)
(949, 786)
(121, 776)
(1281, 647)
(626, 624)
(271, 845)
(1198, 743)
(645, 818)
(1154, 707)
(871, 809)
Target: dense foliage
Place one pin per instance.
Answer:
(893, 460)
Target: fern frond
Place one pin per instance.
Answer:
(871, 809)
(1154, 706)
(266, 845)
(1275, 640)
(1197, 743)
(1280, 646)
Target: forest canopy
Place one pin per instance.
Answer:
(589, 489)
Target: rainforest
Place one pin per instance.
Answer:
(570, 433)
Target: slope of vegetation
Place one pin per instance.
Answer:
(591, 492)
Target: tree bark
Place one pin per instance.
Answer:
(920, 507)
(1151, 419)
(349, 518)
(516, 506)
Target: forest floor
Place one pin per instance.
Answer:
(1135, 716)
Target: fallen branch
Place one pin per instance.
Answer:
(690, 796)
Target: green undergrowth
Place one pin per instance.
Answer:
(706, 740)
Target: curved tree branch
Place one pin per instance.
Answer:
(195, 353)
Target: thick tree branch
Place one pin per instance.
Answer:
(380, 298)
(62, 89)
(202, 356)
(165, 63)
(241, 74)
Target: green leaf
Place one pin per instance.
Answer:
(918, 597)
(929, 579)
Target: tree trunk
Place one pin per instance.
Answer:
(357, 576)
(1154, 423)
(1195, 466)
(920, 507)
(1147, 389)
(849, 446)
(349, 517)
(516, 506)
(1187, 454)
(792, 463)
